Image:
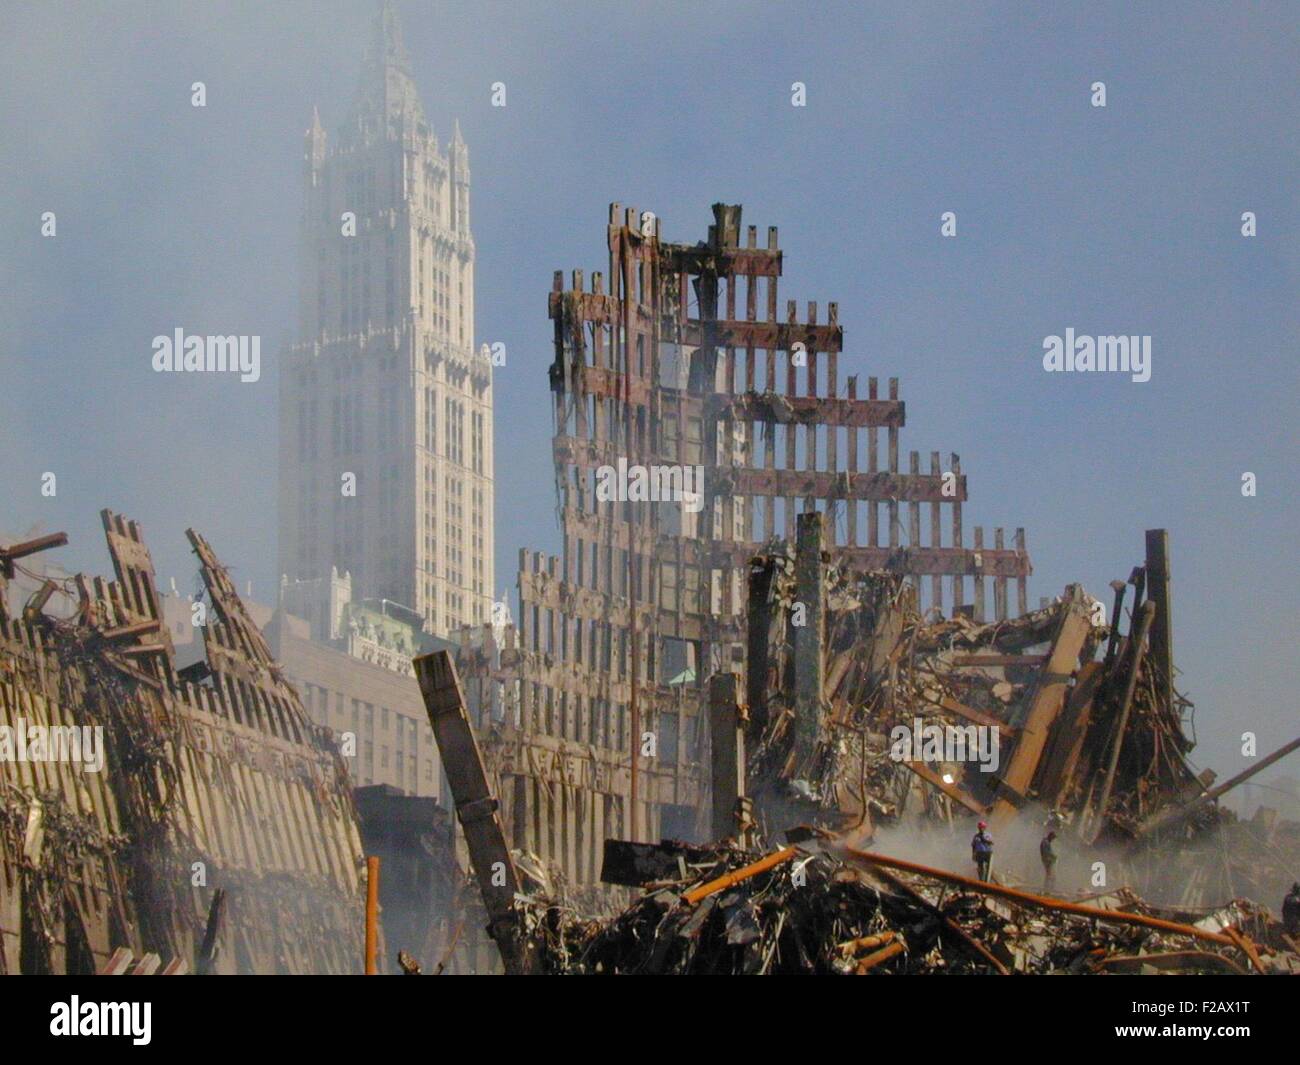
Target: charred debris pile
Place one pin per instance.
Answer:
(861, 725)
(824, 908)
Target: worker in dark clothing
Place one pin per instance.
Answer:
(1047, 852)
(981, 850)
(1291, 911)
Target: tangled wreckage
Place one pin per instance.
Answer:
(819, 684)
(220, 834)
(820, 755)
(746, 730)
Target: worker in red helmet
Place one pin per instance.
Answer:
(981, 850)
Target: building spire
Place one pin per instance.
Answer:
(387, 95)
(314, 138)
(387, 38)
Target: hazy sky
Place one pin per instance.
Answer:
(1125, 220)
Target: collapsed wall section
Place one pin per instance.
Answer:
(213, 778)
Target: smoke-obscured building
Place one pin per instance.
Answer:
(385, 406)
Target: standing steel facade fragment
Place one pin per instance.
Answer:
(676, 358)
(214, 779)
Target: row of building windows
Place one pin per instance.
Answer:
(605, 724)
(396, 737)
(476, 442)
(454, 424)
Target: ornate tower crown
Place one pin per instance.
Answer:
(387, 101)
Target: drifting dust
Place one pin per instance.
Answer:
(1080, 869)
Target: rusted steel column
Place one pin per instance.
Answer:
(372, 916)
(936, 534)
(1117, 740)
(1022, 589)
(873, 466)
(808, 658)
(476, 808)
(999, 582)
(762, 613)
(893, 468)
(1052, 687)
(727, 742)
(1172, 815)
(914, 521)
(1162, 630)
(958, 580)
(1248, 949)
(1116, 615)
(212, 933)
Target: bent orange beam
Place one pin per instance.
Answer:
(1041, 901)
(737, 875)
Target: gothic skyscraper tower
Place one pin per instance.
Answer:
(385, 406)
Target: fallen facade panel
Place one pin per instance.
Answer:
(213, 780)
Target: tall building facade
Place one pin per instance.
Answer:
(385, 405)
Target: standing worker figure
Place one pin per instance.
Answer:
(981, 850)
(1291, 911)
(1047, 852)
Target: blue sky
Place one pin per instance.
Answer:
(1117, 220)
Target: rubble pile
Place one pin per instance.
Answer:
(135, 792)
(837, 911)
(858, 718)
(804, 915)
(894, 678)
